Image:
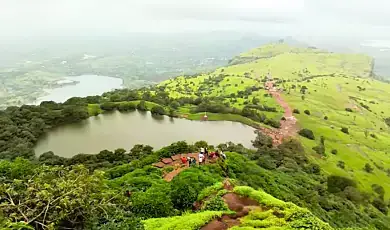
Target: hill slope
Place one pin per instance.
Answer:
(326, 84)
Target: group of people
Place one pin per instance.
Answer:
(203, 155)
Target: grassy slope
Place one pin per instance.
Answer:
(289, 215)
(328, 96)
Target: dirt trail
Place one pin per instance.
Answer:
(175, 162)
(288, 126)
(241, 205)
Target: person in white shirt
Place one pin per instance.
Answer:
(202, 150)
(201, 158)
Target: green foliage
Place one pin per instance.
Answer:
(215, 204)
(56, 195)
(127, 106)
(296, 111)
(186, 222)
(345, 130)
(210, 191)
(154, 202)
(368, 168)
(339, 183)
(142, 106)
(186, 187)
(262, 140)
(349, 110)
(307, 112)
(307, 133)
(284, 214)
(109, 106)
(334, 151)
(158, 110)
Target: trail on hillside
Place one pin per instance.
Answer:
(241, 205)
(288, 126)
(175, 162)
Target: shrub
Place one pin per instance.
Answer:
(126, 107)
(345, 130)
(380, 205)
(159, 110)
(142, 106)
(307, 112)
(334, 151)
(373, 135)
(349, 110)
(338, 183)
(319, 149)
(155, 202)
(368, 168)
(296, 111)
(215, 204)
(326, 118)
(341, 164)
(108, 106)
(307, 133)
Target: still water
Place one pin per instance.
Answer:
(124, 130)
(88, 85)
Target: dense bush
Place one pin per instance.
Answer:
(334, 151)
(349, 110)
(307, 112)
(127, 106)
(158, 110)
(338, 183)
(345, 130)
(368, 168)
(296, 111)
(307, 133)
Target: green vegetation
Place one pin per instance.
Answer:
(340, 178)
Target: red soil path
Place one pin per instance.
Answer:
(241, 205)
(288, 126)
(175, 162)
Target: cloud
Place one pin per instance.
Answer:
(329, 18)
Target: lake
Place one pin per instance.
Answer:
(124, 130)
(88, 85)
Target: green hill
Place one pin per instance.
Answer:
(334, 82)
(333, 174)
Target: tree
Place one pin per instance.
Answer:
(307, 112)
(345, 130)
(296, 111)
(338, 183)
(142, 106)
(378, 189)
(56, 195)
(158, 110)
(155, 202)
(262, 140)
(307, 133)
(108, 106)
(368, 168)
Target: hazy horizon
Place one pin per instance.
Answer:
(309, 20)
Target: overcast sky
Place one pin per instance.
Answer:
(298, 18)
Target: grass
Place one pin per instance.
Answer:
(189, 221)
(279, 214)
(334, 87)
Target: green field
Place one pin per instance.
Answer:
(333, 82)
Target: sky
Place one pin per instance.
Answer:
(298, 18)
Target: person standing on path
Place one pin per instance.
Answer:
(201, 158)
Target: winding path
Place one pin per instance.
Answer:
(288, 126)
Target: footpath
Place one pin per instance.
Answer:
(288, 126)
(240, 205)
(175, 162)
